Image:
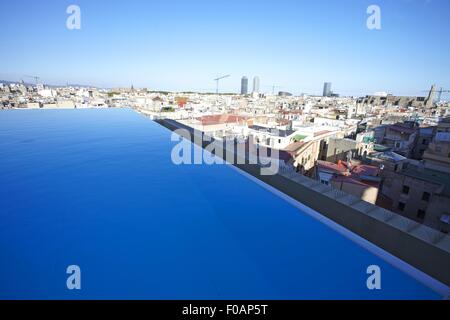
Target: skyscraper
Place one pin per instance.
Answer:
(256, 84)
(327, 89)
(244, 85)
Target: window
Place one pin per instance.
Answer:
(405, 190)
(421, 214)
(401, 206)
(426, 196)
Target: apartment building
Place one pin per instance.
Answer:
(399, 137)
(422, 195)
(437, 156)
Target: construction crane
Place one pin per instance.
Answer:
(273, 87)
(439, 93)
(36, 78)
(217, 82)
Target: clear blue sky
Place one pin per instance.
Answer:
(183, 45)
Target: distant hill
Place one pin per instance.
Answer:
(13, 82)
(49, 85)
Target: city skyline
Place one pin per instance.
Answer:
(167, 47)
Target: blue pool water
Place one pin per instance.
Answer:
(97, 188)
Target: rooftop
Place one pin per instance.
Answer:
(358, 174)
(293, 147)
(402, 128)
(222, 118)
(433, 176)
(273, 131)
(387, 156)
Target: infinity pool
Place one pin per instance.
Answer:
(98, 189)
